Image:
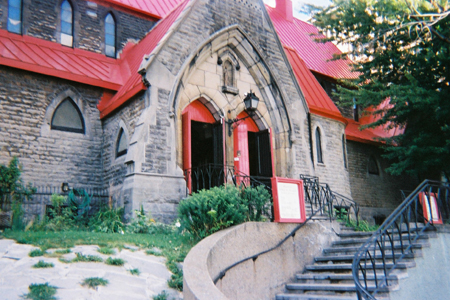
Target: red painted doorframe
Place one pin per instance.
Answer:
(195, 111)
(240, 140)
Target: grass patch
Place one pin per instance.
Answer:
(155, 252)
(94, 282)
(106, 251)
(64, 261)
(115, 261)
(36, 252)
(43, 264)
(40, 292)
(135, 272)
(87, 258)
(57, 253)
(173, 245)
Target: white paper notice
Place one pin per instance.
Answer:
(288, 201)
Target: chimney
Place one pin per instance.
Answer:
(284, 7)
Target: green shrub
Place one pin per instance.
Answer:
(43, 264)
(162, 296)
(41, 292)
(209, 211)
(94, 282)
(13, 191)
(108, 220)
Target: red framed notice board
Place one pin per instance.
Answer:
(288, 200)
(430, 208)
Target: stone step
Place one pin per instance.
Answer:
(342, 277)
(349, 257)
(333, 287)
(354, 249)
(347, 267)
(319, 297)
(350, 241)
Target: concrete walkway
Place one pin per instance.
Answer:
(17, 273)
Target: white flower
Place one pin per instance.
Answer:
(177, 224)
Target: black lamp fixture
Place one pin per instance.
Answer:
(251, 104)
(65, 187)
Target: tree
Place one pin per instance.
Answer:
(402, 51)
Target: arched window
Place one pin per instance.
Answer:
(121, 144)
(15, 16)
(344, 151)
(110, 36)
(319, 146)
(67, 117)
(373, 166)
(66, 24)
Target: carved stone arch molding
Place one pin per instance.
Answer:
(232, 43)
(54, 103)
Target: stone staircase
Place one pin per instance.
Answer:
(330, 277)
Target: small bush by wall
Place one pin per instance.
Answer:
(209, 211)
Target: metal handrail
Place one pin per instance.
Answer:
(397, 236)
(326, 202)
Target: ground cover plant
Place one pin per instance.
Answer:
(106, 251)
(41, 292)
(86, 258)
(115, 261)
(94, 282)
(134, 272)
(43, 264)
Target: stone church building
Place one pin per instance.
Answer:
(139, 96)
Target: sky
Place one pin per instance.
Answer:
(297, 4)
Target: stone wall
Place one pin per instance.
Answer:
(260, 278)
(333, 170)
(377, 194)
(49, 157)
(42, 19)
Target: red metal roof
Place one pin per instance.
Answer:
(159, 8)
(372, 134)
(49, 58)
(318, 57)
(133, 58)
(318, 101)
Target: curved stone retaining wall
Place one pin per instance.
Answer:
(255, 279)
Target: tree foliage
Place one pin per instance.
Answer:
(402, 53)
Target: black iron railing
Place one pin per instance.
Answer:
(396, 238)
(212, 175)
(323, 201)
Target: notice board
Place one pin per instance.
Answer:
(288, 200)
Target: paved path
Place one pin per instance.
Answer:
(16, 274)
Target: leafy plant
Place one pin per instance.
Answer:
(41, 292)
(79, 201)
(94, 282)
(162, 296)
(141, 223)
(209, 211)
(136, 272)
(106, 251)
(86, 258)
(43, 264)
(342, 216)
(155, 252)
(13, 191)
(108, 220)
(36, 252)
(115, 261)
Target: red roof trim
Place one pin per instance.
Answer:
(131, 8)
(320, 112)
(134, 58)
(115, 105)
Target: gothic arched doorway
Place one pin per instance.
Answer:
(203, 152)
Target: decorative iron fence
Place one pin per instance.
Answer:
(36, 204)
(323, 201)
(212, 175)
(396, 238)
